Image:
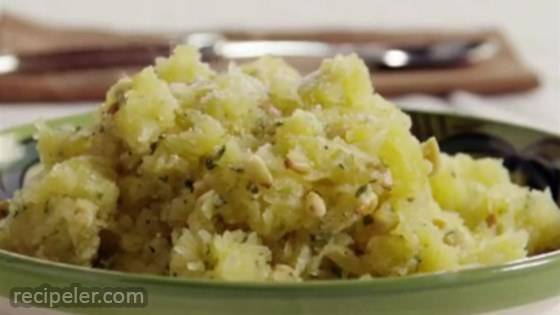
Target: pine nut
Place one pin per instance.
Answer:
(430, 151)
(258, 171)
(316, 204)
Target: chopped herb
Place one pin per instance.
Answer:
(210, 163)
(278, 124)
(410, 199)
(220, 153)
(99, 195)
(336, 270)
(362, 189)
(341, 166)
(120, 99)
(238, 170)
(189, 184)
(251, 187)
(152, 249)
(164, 179)
(153, 147)
(326, 147)
(367, 220)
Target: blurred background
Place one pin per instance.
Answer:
(532, 30)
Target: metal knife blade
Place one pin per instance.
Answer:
(376, 55)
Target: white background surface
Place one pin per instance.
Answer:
(533, 27)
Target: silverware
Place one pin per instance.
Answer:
(376, 55)
(215, 46)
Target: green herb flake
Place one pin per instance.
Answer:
(362, 189)
(367, 220)
(153, 147)
(252, 188)
(238, 170)
(220, 153)
(210, 163)
(189, 184)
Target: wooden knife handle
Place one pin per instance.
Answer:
(91, 58)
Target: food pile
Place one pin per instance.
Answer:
(261, 174)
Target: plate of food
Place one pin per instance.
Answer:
(261, 191)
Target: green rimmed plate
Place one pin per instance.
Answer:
(533, 156)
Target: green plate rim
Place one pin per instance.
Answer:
(439, 280)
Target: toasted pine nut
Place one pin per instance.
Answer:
(274, 111)
(258, 171)
(204, 197)
(316, 204)
(385, 219)
(387, 180)
(201, 186)
(368, 203)
(296, 166)
(430, 151)
(201, 203)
